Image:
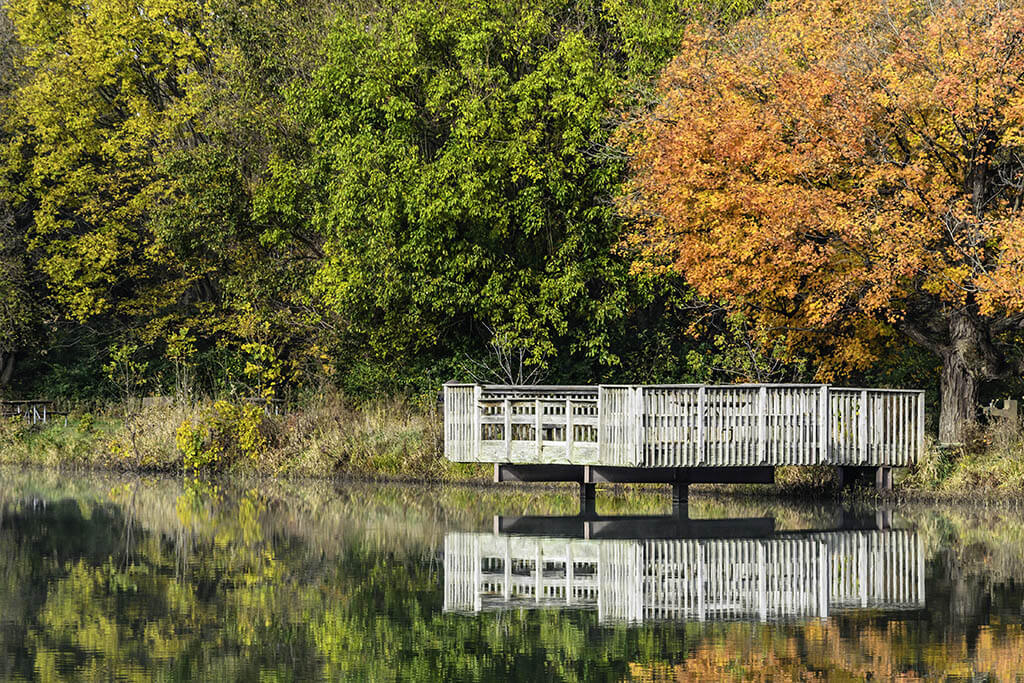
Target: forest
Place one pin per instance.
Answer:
(293, 198)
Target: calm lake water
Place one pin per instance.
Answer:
(106, 578)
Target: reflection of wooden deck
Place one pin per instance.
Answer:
(797, 576)
(683, 426)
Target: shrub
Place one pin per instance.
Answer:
(222, 435)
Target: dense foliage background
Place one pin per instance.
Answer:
(272, 196)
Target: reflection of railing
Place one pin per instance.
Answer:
(795, 576)
(683, 425)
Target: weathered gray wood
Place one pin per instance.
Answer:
(824, 441)
(863, 436)
(920, 424)
(679, 426)
(702, 438)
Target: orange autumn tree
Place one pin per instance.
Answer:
(843, 171)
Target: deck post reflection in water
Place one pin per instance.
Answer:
(790, 575)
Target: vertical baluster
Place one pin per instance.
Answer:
(701, 427)
(538, 425)
(862, 436)
(901, 426)
(570, 437)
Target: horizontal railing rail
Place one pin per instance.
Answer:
(684, 425)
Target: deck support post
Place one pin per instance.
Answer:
(588, 497)
(883, 478)
(680, 499)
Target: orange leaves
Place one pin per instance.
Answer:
(827, 160)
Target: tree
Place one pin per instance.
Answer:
(460, 186)
(19, 305)
(130, 134)
(844, 172)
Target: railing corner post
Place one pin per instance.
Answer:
(702, 392)
(762, 423)
(824, 422)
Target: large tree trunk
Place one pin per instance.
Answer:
(6, 368)
(964, 366)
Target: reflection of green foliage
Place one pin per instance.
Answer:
(141, 579)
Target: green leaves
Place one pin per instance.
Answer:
(455, 150)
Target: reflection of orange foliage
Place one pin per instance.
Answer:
(820, 651)
(1001, 652)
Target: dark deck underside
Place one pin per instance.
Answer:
(595, 474)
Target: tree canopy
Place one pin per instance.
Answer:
(843, 172)
(373, 194)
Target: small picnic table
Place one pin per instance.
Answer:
(33, 409)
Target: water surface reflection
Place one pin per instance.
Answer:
(104, 577)
(752, 574)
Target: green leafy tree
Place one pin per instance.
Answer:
(460, 180)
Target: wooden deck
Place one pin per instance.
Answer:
(683, 426)
(799, 576)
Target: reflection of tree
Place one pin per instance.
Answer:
(285, 582)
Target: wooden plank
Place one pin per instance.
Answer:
(824, 439)
(920, 426)
(701, 428)
(862, 436)
(638, 425)
(477, 436)
(570, 437)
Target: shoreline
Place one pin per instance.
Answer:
(750, 493)
(395, 442)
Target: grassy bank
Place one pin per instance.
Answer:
(326, 437)
(331, 436)
(991, 462)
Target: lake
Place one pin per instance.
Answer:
(107, 577)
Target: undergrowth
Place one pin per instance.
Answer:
(331, 435)
(328, 436)
(990, 460)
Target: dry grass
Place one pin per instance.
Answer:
(387, 437)
(991, 461)
(329, 436)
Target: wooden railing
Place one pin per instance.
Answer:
(683, 425)
(802, 575)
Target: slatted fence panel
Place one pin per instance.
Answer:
(671, 426)
(536, 426)
(871, 427)
(731, 426)
(459, 420)
(793, 425)
(620, 409)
